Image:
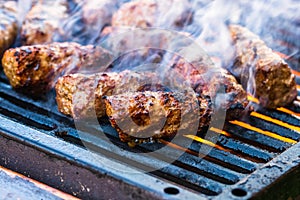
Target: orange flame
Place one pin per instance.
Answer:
(220, 131)
(282, 55)
(275, 121)
(175, 146)
(267, 133)
(298, 87)
(285, 110)
(252, 98)
(295, 72)
(209, 143)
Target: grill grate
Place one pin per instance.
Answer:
(239, 151)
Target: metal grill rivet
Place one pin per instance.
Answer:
(239, 192)
(171, 190)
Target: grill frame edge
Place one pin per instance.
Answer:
(32, 153)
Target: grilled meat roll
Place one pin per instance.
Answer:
(136, 47)
(262, 72)
(148, 116)
(172, 14)
(8, 24)
(42, 23)
(88, 19)
(124, 40)
(98, 13)
(80, 95)
(35, 69)
(198, 70)
(206, 79)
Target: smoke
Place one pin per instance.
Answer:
(276, 22)
(215, 38)
(174, 14)
(23, 8)
(168, 14)
(87, 19)
(204, 20)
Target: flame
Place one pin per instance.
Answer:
(209, 143)
(282, 55)
(295, 72)
(267, 133)
(175, 146)
(275, 121)
(285, 110)
(252, 98)
(220, 131)
(298, 87)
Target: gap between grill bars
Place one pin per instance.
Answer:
(242, 147)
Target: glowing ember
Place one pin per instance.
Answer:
(253, 99)
(209, 143)
(275, 121)
(296, 73)
(282, 55)
(175, 146)
(220, 131)
(267, 133)
(285, 110)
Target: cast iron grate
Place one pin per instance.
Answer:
(241, 148)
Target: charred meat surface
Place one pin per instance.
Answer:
(204, 77)
(261, 71)
(217, 83)
(147, 116)
(43, 22)
(81, 95)
(174, 14)
(8, 24)
(35, 69)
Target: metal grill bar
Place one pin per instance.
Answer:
(200, 168)
(250, 152)
(274, 128)
(256, 139)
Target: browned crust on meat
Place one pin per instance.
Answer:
(43, 22)
(35, 69)
(96, 14)
(8, 24)
(261, 71)
(148, 116)
(80, 95)
(136, 13)
(215, 82)
(149, 13)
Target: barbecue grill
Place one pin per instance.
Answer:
(253, 157)
(256, 157)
